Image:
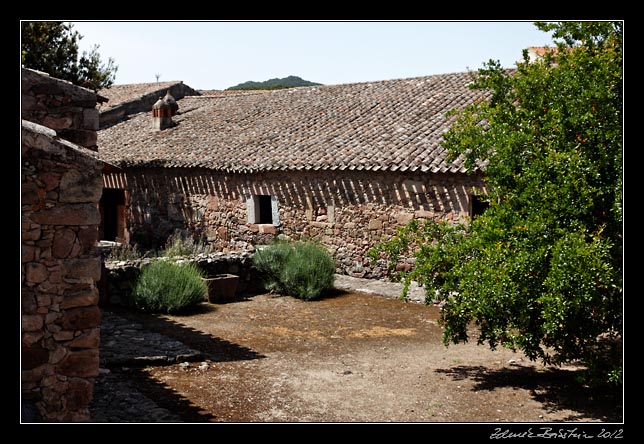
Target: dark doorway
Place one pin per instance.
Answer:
(112, 207)
(265, 210)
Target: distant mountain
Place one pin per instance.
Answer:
(286, 82)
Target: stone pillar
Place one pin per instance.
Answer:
(61, 187)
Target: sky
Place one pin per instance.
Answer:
(218, 55)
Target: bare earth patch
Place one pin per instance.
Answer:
(351, 358)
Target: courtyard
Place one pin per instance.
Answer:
(354, 356)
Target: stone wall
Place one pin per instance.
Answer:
(349, 211)
(60, 105)
(120, 276)
(115, 114)
(61, 187)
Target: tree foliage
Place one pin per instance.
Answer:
(286, 82)
(52, 47)
(541, 269)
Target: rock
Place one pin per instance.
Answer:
(34, 356)
(35, 272)
(80, 318)
(73, 214)
(63, 243)
(83, 268)
(87, 340)
(32, 322)
(80, 299)
(83, 363)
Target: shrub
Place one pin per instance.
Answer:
(168, 287)
(123, 252)
(182, 244)
(301, 269)
(270, 260)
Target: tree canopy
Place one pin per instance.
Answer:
(52, 47)
(541, 269)
(286, 82)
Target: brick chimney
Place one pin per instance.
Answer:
(162, 112)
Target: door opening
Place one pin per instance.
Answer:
(112, 208)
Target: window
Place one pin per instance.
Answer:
(478, 206)
(262, 209)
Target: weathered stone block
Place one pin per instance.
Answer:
(63, 242)
(375, 224)
(404, 218)
(73, 214)
(80, 299)
(86, 138)
(82, 363)
(30, 193)
(57, 123)
(51, 180)
(79, 393)
(267, 229)
(31, 337)
(90, 119)
(34, 356)
(82, 268)
(89, 339)
(424, 214)
(35, 272)
(28, 302)
(28, 253)
(31, 235)
(57, 355)
(80, 318)
(88, 238)
(77, 187)
(64, 335)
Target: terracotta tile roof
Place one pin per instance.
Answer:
(230, 92)
(118, 94)
(386, 125)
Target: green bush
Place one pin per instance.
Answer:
(182, 244)
(300, 269)
(270, 261)
(168, 287)
(123, 252)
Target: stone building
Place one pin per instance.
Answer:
(345, 164)
(60, 190)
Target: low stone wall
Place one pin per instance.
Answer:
(61, 187)
(119, 276)
(60, 105)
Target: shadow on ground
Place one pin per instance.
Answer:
(556, 389)
(126, 390)
(212, 347)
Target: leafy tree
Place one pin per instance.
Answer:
(541, 269)
(52, 47)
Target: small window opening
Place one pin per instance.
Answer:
(265, 210)
(262, 209)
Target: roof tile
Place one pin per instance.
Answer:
(386, 125)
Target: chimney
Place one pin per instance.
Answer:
(162, 112)
(174, 107)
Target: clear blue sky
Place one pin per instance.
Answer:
(217, 55)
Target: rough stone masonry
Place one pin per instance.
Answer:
(61, 187)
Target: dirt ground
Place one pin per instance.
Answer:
(353, 357)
